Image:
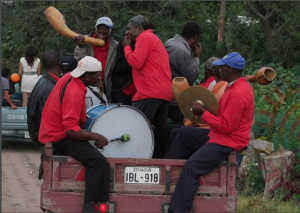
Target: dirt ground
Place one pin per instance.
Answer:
(20, 183)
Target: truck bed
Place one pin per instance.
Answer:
(63, 186)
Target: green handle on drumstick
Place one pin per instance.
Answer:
(124, 138)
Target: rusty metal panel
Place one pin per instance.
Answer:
(215, 182)
(56, 171)
(64, 174)
(63, 191)
(154, 203)
(68, 186)
(72, 202)
(68, 171)
(62, 201)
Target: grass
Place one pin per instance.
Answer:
(256, 203)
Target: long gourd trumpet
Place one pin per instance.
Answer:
(56, 19)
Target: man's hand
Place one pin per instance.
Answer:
(126, 41)
(101, 141)
(80, 40)
(197, 50)
(198, 109)
(13, 106)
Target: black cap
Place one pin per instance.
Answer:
(68, 64)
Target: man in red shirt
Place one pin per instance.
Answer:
(229, 131)
(106, 54)
(63, 117)
(151, 75)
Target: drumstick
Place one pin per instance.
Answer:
(123, 138)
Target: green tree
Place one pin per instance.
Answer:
(281, 27)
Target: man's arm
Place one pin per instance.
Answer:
(84, 135)
(71, 114)
(81, 48)
(137, 58)
(231, 117)
(8, 100)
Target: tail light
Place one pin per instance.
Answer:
(103, 207)
(106, 207)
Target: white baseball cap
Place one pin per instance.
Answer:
(104, 20)
(87, 64)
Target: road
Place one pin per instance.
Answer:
(20, 183)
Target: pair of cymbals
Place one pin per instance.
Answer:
(197, 94)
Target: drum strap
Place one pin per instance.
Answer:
(64, 90)
(97, 95)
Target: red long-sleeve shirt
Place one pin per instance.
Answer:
(57, 119)
(232, 127)
(150, 67)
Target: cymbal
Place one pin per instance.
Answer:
(197, 94)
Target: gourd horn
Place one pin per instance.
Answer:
(56, 19)
(263, 76)
(178, 85)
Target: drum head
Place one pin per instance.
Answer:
(119, 120)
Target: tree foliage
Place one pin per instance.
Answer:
(24, 24)
(270, 37)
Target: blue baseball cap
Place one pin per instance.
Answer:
(233, 59)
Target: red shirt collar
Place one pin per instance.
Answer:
(54, 76)
(146, 31)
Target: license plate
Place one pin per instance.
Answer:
(26, 134)
(142, 175)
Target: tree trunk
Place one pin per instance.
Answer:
(221, 21)
(267, 29)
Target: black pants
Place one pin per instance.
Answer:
(175, 114)
(201, 162)
(170, 133)
(97, 169)
(120, 97)
(156, 111)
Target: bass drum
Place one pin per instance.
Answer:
(112, 121)
(91, 99)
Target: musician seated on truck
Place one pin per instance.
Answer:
(229, 131)
(64, 116)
